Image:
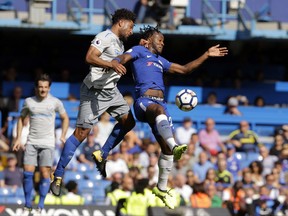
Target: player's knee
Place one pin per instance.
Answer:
(81, 133)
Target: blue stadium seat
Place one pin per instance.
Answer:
(86, 186)
(72, 175)
(7, 192)
(253, 156)
(93, 175)
(241, 156)
(15, 200)
(82, 167)
(19, 192)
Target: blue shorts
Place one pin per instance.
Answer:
(140, 107)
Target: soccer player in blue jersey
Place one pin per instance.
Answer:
(148, 67)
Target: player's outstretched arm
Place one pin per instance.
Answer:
(217, 51)
(214, 51)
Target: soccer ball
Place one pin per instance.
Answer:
(186, 100)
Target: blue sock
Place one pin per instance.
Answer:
(28, 188)
(114, 138)
(68, 151)
(43, 190)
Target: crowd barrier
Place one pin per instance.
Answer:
(91, 210)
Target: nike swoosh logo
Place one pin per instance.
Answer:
(149, 56)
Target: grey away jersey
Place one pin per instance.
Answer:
(42, 119)
(110, 46)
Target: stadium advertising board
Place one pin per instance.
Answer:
(51, 210)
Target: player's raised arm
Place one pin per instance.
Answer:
(214, 51)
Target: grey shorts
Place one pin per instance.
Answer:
(94, 102)
(38, 155)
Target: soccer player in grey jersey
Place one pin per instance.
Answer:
(39, 150)
(99, 94)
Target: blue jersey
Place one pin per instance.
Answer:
(148, 69)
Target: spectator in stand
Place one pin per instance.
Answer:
(87, 149)
(12, 175)
(210, 177)
(256, 169)
(264, 205)
(212, 100)
(143, 11)
(210, 139)
(181, 166)
(223, 176)
(200, 169)
(259, 101)
(285, 133)
(193, 150)
(14, 100)
(279, 168)
(277, 146)
(126, 153)
(184, 132)
(275, 172)
(267, 160)
(103, 128)
(272, 185)
(134, 142)
(152, 176)
(148, 148)
(190, 178)
(151, 11)
(216, 201)
(72, 197)
(234, 199)
(10, 73)
(124, 191)
(247, 179)
(116, 164)
(233, 163)
(232, 107)
(244, 139)
(182, 188)
(199, 198)
(4, 147)
(283, 208)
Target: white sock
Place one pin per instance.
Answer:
(165, 164)
(165, 130)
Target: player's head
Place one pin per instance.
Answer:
(42, 86)
(154, 38)
(123, 20)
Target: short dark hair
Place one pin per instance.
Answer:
(43, 77)
(71, 185)
(147, 31)
(123, 14)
